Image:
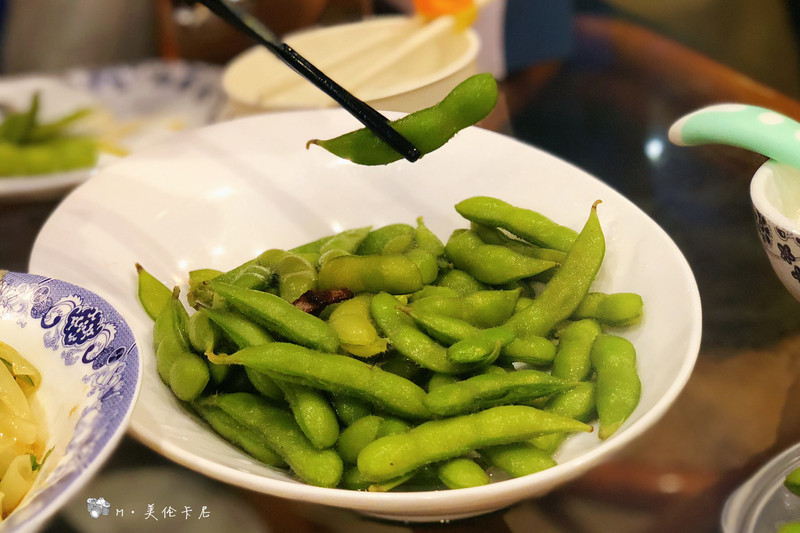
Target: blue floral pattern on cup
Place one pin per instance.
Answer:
(81, 329)
(783, 255)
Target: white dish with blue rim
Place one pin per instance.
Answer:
(91, 375)
(217, 196)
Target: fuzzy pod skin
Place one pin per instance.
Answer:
(279, 316)
(570, 284)
(524, 223)
(493, 264)
(153, 295)
(489, 390)
(618, 385)
(339, 374)
(427, 129)
(279, 431)
(439, 440)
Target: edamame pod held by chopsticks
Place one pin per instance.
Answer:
(428, 129)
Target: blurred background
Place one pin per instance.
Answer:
(756, 37)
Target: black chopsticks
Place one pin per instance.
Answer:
(368, 116)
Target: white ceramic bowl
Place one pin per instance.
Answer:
(217, 196)
(257, 81)
(763, 503)
(91, 374)
(775, 193)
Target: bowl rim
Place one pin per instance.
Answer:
(52, 506)
(758, 184)
(743, 505)
(469, 55)
(491, 496)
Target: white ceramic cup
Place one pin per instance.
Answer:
(775, 193)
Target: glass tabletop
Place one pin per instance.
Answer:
(606, 109)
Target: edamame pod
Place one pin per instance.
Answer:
(572, 360)
(356, 436)
(205, 336)
(279, 316)
(482, 309)
(313, 413)
(349, 409)
(395, 274)
(427, 129)
(391, 239)
(296, 275)
(445, 329)
(491, 263)
(153, 295)
(531, 350)
(437, 380)
(312, 247)
(462, 473)
(792, 482)
(439, 440)
(489, 390)
(335, 373)
(427, 240)
(179, 368)
(483, 347)
(461, 282)
(432, 290)
(280, 431)
(402, 366)
(239, 329)
(618, 309)
(524, 223)
(618, 384)
(244, 333)
(264, 384)
(562, 295)
(238, 434)
(354, 326)
(171, 322)
(518, 459)
(346, 241)
(577, 403)
(496, 236)
(407, 339)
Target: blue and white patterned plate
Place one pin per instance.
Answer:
(91, 376)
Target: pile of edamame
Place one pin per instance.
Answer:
(29, 147)
(426, 364)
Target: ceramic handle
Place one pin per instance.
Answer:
(753, 128)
